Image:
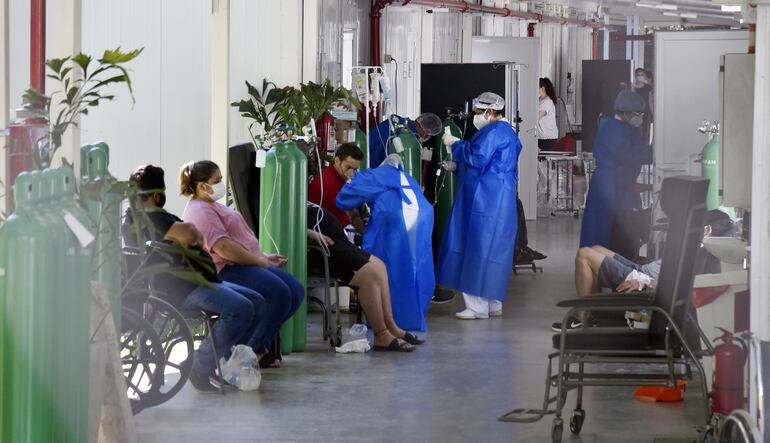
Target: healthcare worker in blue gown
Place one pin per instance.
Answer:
(399, 232)
(476, 251)
(380, 137)
(620, 151)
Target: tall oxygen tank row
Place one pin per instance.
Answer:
(44, 312)
(283, 226)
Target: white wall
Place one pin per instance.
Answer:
(170, 123)
(265, 42)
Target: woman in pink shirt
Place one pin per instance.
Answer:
(235, 249)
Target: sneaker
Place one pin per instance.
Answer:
(201, 383)
(470, 315)
(572, 323)
(498, 313)
(443, 296)
(522, 257)
(535, 255)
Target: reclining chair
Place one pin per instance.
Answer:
(672, 341)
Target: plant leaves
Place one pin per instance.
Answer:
(115, 79)
(83, 61)
(55, 64)
(115, 56)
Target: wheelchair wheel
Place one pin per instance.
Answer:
(557, 428)
(576, 421)
(177, 342)
(141, 354)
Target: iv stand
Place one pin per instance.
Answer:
(367, 71)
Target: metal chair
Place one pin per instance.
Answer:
(673, 341)
(323, 279)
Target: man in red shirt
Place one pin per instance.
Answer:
(347, 160)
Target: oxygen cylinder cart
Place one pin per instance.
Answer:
(283, 223)
(446, 183)
(27, 313)
(710, 163)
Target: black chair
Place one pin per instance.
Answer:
(321, 278)
(672, 341)
(243, 176)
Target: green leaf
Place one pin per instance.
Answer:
(253, 92)
(71, 93)
(83, 61)
(84, 111)
(65, 71)
(116, 79)
(116, 56)
(55, 64)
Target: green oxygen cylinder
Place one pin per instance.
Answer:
(103, 203)
(446, 182)
(84, 159)
(75, 309)
(710, 169)
(361, 142)
(410, 151)
(283, 225)
(26, 316)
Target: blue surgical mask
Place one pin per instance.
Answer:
(641, 79)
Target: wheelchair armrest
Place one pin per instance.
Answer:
(619, 299)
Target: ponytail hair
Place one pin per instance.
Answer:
(193, 173)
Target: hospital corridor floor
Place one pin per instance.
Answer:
(448, 390)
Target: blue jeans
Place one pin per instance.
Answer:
(282, 292)
(241, 311)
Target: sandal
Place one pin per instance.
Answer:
(395, 345)
(412, 339)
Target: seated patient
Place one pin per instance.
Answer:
(235, 249)
(240, 309)
(399, 233)
(358, 267)
(597, 268)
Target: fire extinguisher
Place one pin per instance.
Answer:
(326, 133)
(729, 359)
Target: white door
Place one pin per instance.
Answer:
(524, 51)
(687, 92)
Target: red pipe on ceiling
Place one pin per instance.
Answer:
(37, 45)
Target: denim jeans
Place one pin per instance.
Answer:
(282, 292)
(241, 311)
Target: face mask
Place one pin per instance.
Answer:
(636, 121)
(641, 79)
(219, 190)
(479, 121)
(161, 200)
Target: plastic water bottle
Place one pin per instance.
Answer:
(358, 330)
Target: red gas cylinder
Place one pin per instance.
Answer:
(729, 358)
(324, 127)
(28, 132)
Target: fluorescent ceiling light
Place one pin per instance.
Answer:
(688, 15)
(671, 14)
(731, 8)
(657, 6)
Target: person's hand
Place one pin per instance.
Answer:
(632, 285)
(277, 260)
(324, 239)
(449, 140)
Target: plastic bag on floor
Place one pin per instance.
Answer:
(360, 345)
(241, 369)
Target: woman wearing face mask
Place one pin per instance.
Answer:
(234, 247)
(547, 132)
(476, 250)
(620, 151)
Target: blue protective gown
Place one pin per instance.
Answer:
(379, 135)
(476, 251)
(620, 152)
(410, 273)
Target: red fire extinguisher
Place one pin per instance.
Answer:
(324, 127)
(729, 359)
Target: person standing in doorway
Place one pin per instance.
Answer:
(547, 131)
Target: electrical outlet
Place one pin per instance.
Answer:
(387, 58)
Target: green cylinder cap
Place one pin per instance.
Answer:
(84, 150)
(67, 177)
(25, 190)
(97, 162)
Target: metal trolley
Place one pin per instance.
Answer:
(560, 183)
